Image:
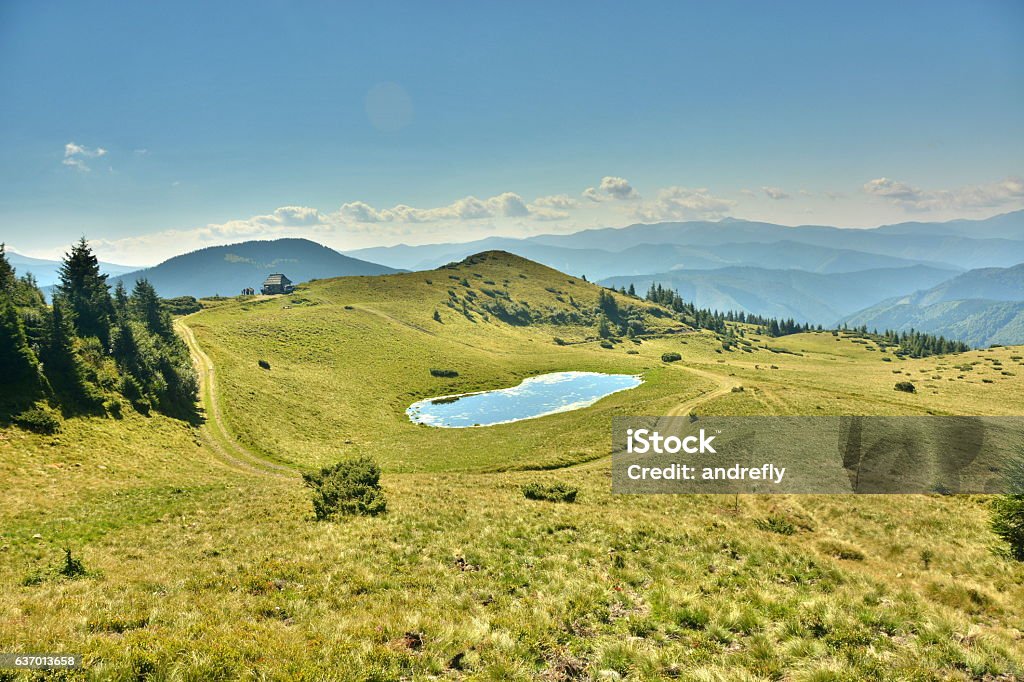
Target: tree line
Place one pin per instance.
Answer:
(911, 343)
(90, 348)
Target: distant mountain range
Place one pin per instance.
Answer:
(226, 270)
(804, 296)
(605, 252)
(959, 278)
(980, 307)
(642, 259)
(47, 272)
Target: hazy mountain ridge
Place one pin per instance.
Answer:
(47, 272)
(980, 307)
(646, 258)
(805, 296)
(994, 242)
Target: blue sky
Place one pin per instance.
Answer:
(156, 129)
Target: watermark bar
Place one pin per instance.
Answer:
(818, 455)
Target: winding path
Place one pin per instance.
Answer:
(214, 432)
(725, 386)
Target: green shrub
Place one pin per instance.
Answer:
(349, 488)
(559, 492)
(448, 373)
(632, 352)
(776, 524)
(841, 550)
(559, 341)
(39, 419)
(671, 357)
(182, 305)
(905, 386)
(1008, 523)
(71, 568)
(607, 344)
(114, 407)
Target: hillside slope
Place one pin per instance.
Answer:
(226, 270)
(803, 296)
(979, 307)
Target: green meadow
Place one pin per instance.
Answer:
(203, 559)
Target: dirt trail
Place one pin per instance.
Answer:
(214, 432)
(725, 385)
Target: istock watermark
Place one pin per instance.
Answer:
(813, 455)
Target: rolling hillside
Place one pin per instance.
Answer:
(226, 270)
(202, 554)
(803, 296)
(979, 307)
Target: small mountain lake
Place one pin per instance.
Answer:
(534, 397)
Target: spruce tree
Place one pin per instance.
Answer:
(148, 309)
(17, 361)
(7, 279)
(63, 367)
(120, 301)
(84, 289)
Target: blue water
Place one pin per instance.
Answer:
(535, 397)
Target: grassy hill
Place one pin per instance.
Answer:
(204, 562)
(226, 270)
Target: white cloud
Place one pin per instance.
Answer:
(748, 192)
(504, 205)
(775, 193)
(611, 188)
(1007, 191)
(510, 204)
(76, 154)
(562, 202)
(685, 203)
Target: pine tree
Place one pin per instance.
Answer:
(7, 279)
(148, 309)
(120, 301)
(17, 361)
(86, 293)
(60, 361)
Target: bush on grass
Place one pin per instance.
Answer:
(39, 419)
(349, 488)
(559, 492)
